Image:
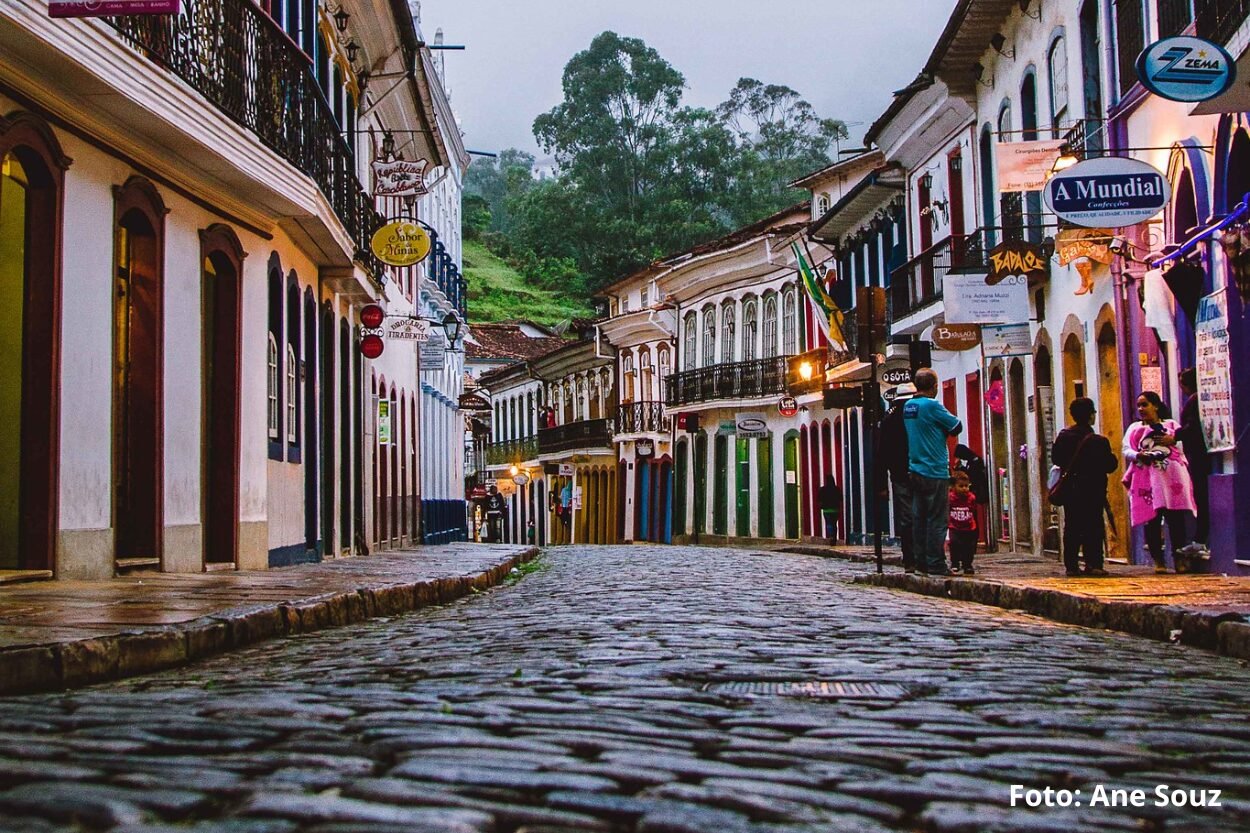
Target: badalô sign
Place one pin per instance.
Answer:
(956, 337)
(117, 8)
(401, 243)
(1111, 191)
(1186, 69)
(1017, 257)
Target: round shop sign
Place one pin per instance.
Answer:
(788, 406)
(1111, 191)
(1186, 69)
(401, 243)
(956, 337)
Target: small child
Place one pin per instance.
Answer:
(962, 523)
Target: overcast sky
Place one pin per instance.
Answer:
(844, 56)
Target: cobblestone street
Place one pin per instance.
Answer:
(584, 697)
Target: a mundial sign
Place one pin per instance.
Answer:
(1107, 192)
(1185, 69)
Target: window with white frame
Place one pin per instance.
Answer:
(769, 346)
(709, 336)
(665, 363)
(646, 297)
(750, 329)
(644, 375)
(627, 373)
(292, 380)
(275, 380)
(822, 205)
(1057, 62)
(691, 339)
(727, 326)
(790, 323)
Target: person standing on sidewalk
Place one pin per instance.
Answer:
(891, 461)
(962, 523)
(1157, 478)
(1085, 459)
(1194, 444)
(969, 461)
(829, 496)
(928, 425)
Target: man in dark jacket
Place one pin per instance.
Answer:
(891, 461)
(1194, 444)
(1086, 462)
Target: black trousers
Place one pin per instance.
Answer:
(1202, 497)
(963, 547)
(1083, 530)
(1176, 533)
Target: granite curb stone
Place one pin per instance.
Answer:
(30, 669)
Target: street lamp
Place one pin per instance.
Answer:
(352, 49)
(926, 181)
(340, 19)
(388, 144)
(451, 327)
(805, 371)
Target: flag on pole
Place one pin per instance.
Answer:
(829, 315)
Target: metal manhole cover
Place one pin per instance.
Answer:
(820, 689)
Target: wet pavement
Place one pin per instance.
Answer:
(650, 690)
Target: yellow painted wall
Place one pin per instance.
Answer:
(12, 296)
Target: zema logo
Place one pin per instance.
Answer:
(1185, 69)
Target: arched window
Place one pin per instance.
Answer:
(644, 375)
(985, 150)
(727, 325)
(1057, 65)
(1004, 121)
(822, 205)
(627, 374)
(665, 363)
(1028, 106)
(579, 403)
(691, 340)
(292, 368)
(292, 397)
(750, 329)
(790, 323)
(275, 381)
(709, 336)
(769, 346)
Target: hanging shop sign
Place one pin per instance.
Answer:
(384, 422)
(505, 487)
(401, 243)
(956, 337)
(787, 406)
(111, 8)
(1025, 166)
(399, 178)
(645, 448)
(1186, 69)
(566, 470)
(1017, 257)
(751, 425)
(895, 376)
(1215, 392)
(1093, 243)
(1006, 340)
(970, 300)
(1109, 191)
(521, 478)
(409, 329)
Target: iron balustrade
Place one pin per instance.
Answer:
(586, 433)
(240, 60)
(1130, 36)
(1219, 20)
(511, 451)
(643, 418)
(731, 380)
(918, 282)
(1085, 139)
(1174, 16)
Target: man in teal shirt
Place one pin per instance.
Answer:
(928, 425)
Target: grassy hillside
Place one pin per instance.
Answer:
(498, 293)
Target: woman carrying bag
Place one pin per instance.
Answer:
(1157, 478)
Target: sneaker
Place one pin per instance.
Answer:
(1073, 573)
(1097, 573)
(968, 571)
(954, 569)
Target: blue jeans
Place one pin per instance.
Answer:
(930, 510)
(902, 521)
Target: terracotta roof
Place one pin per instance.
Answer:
(507, 341)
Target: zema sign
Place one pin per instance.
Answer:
(118, 8)
(401, 243)
(1111, 191)
(1185, 69)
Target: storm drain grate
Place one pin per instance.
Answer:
(820, 689)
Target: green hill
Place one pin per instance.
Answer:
(498, 293)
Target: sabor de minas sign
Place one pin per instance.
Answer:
(1108, 192)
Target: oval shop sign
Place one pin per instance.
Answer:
(1185, 69)
(1107, 192)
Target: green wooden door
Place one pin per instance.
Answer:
(720, 485)
(792, 485)
(700, 483)
(742, 520)
(764, 466)
(680, 468)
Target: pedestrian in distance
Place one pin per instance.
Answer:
(1084, 458)
(891, 462)
(1194, 443)
(495, 508)
(1157, 478)
(928, 425)
(962, 523)
(830, 498)
(968, 461)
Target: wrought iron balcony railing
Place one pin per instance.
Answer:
(732, 380)
(643, 418)
(1219, 20)
(586, 433)
(918, 282)
(236, 56)
(511, 451)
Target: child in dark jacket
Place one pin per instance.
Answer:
(962, 523)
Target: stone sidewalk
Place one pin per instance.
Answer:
(1207, 611)
(63, 634)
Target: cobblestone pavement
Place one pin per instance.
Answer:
(576, 699)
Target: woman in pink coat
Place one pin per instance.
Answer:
(1157, 477)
